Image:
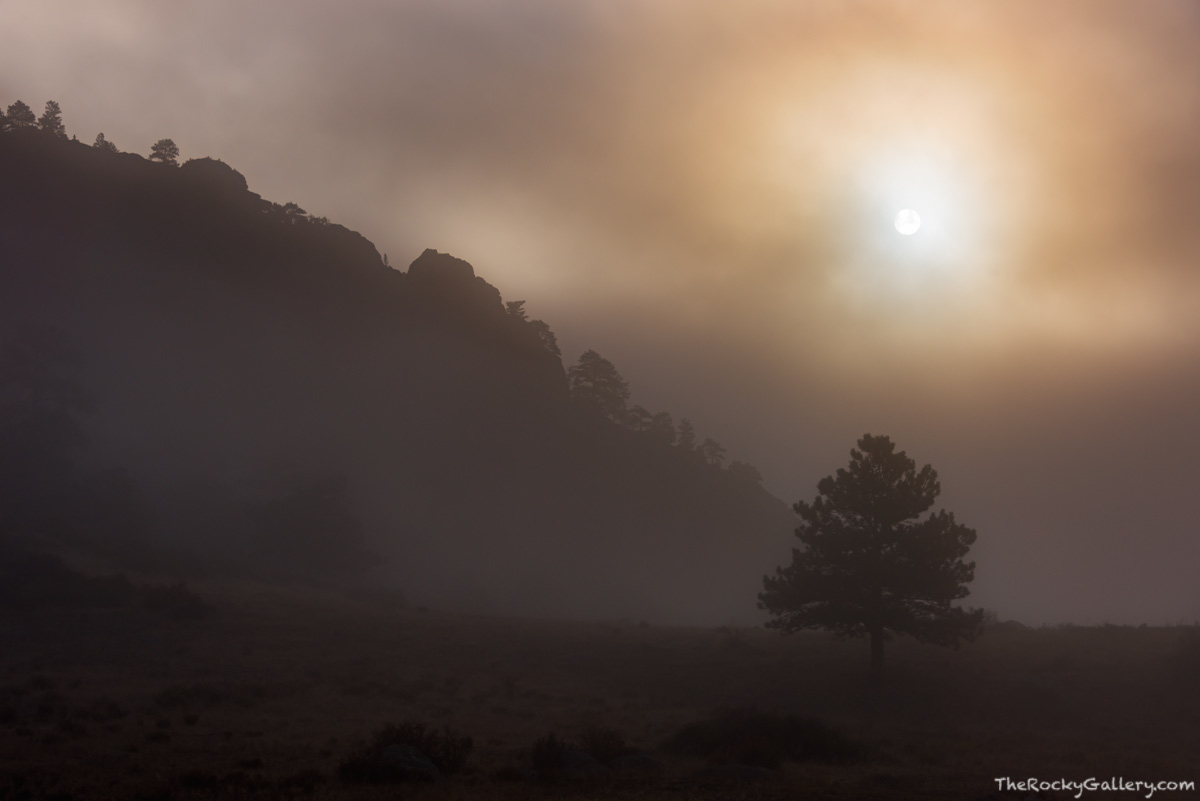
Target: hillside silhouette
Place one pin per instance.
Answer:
(249, 369)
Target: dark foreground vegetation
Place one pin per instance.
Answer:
(282, 694)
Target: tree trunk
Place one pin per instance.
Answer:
(877, 655)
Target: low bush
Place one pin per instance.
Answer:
(603, 743)
(446, 749)
(197, 695)
(549, 753)
(306, 781)
(761, 739)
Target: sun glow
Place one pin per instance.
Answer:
(919, 199)
(908, 222)
(941, 249)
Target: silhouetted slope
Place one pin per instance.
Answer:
(231, 344)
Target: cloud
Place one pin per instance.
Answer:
(703, 192)
(680, 149)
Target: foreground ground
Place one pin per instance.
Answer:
(265, 697)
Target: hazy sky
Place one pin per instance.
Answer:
(704, 192)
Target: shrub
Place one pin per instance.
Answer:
(102, 710)
(191, 696)
(549, 753)
(757, 738)
(603, 743)
(199, 780)
(305, 780)
(201, 695)
(447, 750)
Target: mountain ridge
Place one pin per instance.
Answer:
(229, 341)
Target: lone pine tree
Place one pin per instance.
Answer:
(872, 565)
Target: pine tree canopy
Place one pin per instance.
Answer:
(873, 563)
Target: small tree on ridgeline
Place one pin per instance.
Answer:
(745, 472)
(872, 566)
(20, 116)
(51, 120)
(546, 337)
(166, 151)
(712, 451)
(293, 213)
(662, 428)
(686, 438)
(516, 309)
(595, 381)
(104, 145)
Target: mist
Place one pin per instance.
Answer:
(616, 398)
(693, 191)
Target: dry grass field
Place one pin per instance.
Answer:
(269, 694)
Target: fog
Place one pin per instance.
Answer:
(704, 195)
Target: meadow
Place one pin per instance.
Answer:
(269, 694)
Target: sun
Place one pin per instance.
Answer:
(915, 236)
(908, 222)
